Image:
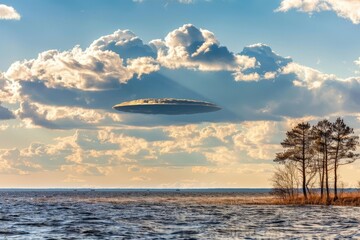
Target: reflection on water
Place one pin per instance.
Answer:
(166, 215)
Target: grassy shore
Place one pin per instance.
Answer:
(183, 198)
(345, 199)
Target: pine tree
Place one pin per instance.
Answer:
(345, 143)
(322, 134)
(298, 149)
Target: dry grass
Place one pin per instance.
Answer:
(345, 199)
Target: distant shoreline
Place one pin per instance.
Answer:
(223, 190)
(181, 196)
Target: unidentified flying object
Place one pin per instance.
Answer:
(166, 106)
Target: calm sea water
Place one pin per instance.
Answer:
(166, 214)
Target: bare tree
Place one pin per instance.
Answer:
(285, 180)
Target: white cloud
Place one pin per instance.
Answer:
(292, 122)
(56, 88)
(86, 170)
(9, 90)
(109, 61)
(270, 75)
(118, 38)
(63, 117)
(306, 76)
(193, 48)
(125, 43)
(8, 13)
(246, 77)
(142, 65)
(349, 9)
(186, 1)
(206, 170)
(257, 139)
(89, 69)
(357, 62)
(180, 1)
(140, 179)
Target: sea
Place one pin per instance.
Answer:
(167, 214)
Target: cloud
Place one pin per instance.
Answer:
(193, 48)
(80, 69)
(56, 88)
(86, 170)
(349, 9)
(125, 43)
(205, 170)
(107, 63)
(96, 152)
(186, 1)
(306, 76)
(179, 1)
(63, 117)
(5, 93)
(268, 62)
(217, 148)
(258, 139)
(6, 114)
(8, 13)
(143, 65)
(357, 62)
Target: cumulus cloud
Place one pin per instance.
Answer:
(125, 43)
(107, 63)
(190, 47)
(306, 76)
(35, 114)
(8, 13)
(55, 88)
(142, 65)
(349, 9)
(77, 68)
(267, 61)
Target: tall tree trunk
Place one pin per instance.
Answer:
(335, 182)
(323, 176)
(335, 171)
(327, 173)
(304, 180)
(303, 167)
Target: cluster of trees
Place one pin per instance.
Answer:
(312, 155)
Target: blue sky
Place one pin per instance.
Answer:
(322, 37)
(268, 64)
